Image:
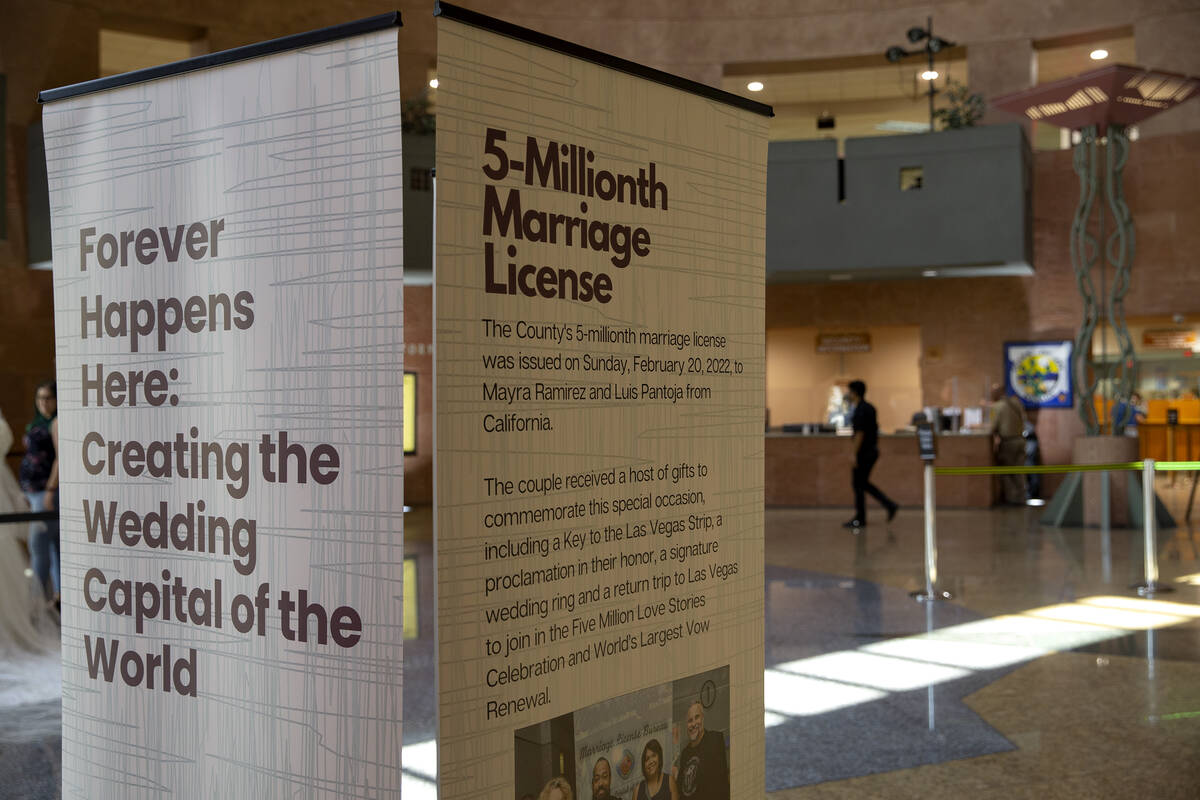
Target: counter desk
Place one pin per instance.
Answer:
(1155, 441)
(813, 470)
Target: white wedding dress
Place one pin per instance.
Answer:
(29, 638)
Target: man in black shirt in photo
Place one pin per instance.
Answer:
(703, 772)
(866, 453)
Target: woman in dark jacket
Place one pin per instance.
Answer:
(39, 481)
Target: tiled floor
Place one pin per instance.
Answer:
(1045, 676)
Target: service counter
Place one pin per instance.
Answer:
(1164, 442)
(814, 470)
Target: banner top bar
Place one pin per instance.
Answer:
(474, 18)
(293, 42)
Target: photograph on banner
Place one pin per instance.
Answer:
(228, 277)
(600, 369)
(1039, 374)
(668, 740)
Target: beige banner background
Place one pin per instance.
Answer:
(703, 274)
(291, 164)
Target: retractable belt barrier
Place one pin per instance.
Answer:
(1148, 467)
(1056, 469)
(29, 516)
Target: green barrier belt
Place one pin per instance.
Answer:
(1058, 469)
(1177, 466)
(1049, 469)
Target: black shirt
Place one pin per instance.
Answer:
(864, 422)
(703, 770)
(38, 462)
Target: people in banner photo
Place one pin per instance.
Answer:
(1007, 429)
(656, 783)
(39, 481)
(557, 789)
(866, 452)
(610, 737)
(602, 780)
(703, 768)
(544, 752)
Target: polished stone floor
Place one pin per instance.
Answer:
(1044, 676)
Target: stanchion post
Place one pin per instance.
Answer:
(930, 699)
(927, 446)
(1151, 586)
(1150, 523)
(930, 530)
(931, 592)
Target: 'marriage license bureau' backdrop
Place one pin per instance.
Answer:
(600, 327)
(227, 271)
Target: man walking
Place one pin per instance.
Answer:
(866, 453)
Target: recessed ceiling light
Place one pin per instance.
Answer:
(929, 75)
(929, 273)
(755, 86)
(1099, 54)
(433, 83)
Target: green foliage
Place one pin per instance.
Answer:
(962, 109)
(416, 117)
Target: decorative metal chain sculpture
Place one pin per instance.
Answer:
(1084, 254)
(1117, 250)
(1101, 105)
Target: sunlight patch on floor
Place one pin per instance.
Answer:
(832, 681)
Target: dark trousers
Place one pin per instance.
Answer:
(862, 484)
(1011, 453)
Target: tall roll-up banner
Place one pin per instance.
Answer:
(228, 309)
(599, 310)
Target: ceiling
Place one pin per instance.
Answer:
(860, 94)
(1058, 59)
(865, 92)
(882, 82)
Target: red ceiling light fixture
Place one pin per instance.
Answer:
(1115, 95)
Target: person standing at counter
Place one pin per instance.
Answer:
(1008, 428)
(39, 481)
(1128, 413)
(866, 453)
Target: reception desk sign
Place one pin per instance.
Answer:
(843, 342)
(1039, 373)
(228, 312)
(599, 308)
